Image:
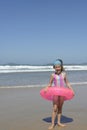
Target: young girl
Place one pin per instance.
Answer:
(59, 79)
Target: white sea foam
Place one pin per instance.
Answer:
(76, 67)
(39, 86)
(28, 68)
(24, 68)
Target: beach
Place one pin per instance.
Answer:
(25, 109)
(42, 43)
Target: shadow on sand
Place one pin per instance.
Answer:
(64, 119)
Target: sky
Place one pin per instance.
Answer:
(41, 31)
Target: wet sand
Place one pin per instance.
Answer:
(24, 109)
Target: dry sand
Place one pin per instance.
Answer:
(24, 109)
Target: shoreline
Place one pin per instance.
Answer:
(24, 109)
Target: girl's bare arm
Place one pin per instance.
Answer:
(68, 83)
(50, 82)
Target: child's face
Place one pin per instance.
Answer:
(57, 68)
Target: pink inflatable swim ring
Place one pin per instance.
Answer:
(57, 91)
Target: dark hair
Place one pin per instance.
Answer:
(62, 69)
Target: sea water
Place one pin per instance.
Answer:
(38, 76)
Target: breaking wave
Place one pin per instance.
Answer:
(28, 68)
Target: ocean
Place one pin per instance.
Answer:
(22, 76)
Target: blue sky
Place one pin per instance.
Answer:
(40, 31)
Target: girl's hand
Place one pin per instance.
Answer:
(45, 89)
(73, 92)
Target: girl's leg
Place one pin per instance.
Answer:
(60, 105)
(54, 112)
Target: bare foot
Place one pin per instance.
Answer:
(51, 127)
(62, 125)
